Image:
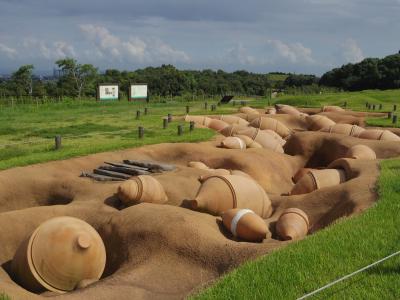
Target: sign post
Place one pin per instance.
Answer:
(138, 91)
(107, 91)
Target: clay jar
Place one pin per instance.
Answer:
(292, 224)
(233, 120)
(198, 165)
(361, 152)
(248, 110)
(232, 142)
(232, 130)
(332, 108)
(317, 122)
(220, 193)
(347, 129)
(378, 134)
(217, 125)
(265, 139)
(300, 173)
(288, 109)
(248, 141)
(271, 124)
(245, 224)
(200, 120)
(317, 179)
(60, 254)
(143, 188)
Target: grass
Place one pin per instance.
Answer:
(4, 297)
(331, 253)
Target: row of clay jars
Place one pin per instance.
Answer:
(292, 224)
(346, 129)
(143, 188)
(357, 131)
(220, 193)
(62, 254)
(288, 109)
(248, 110)
(332, 108)
(265, 139)
(361, 152)
(317, 122)
(317, 179)
(271, 124)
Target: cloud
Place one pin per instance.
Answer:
(239, 54)
(294, 52)
(56, 50)
(9, 52)
(351, 51)
(134, 49)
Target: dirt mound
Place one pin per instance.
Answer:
(168, 251)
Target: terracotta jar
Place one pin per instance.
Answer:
(200, 120)
(217, 125)
(317, 179)
(220, 193)
(292, 224)
(266, 140)
(233, 120)
(245, 224)
(143, 188)
(248, 110)
(232, 130)
(378, 134)
(250, 143)
(288, 109)
(275, 136)
(361, 152)
(347, 129)
(271, 124)
(300, 173)
(232, 142)
(317, 122)
(197, 165)
(60, 254)
(332, 108)
(270, 111)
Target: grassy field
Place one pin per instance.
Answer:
(329, 254)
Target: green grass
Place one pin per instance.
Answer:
(350, 244)
(4, 297)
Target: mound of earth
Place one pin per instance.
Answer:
(168, 251)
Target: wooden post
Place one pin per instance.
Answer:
(213, 107)
(373, 107)
(191, 126)
(394, 107)
(180, 129)
(205, 105)
(165, 123)
(394, 119)
(187, 109)
(366, 104)
(140, 132)
(137, 114)
(146, 110)
(169, 118)
(389, 115)
(57, 140)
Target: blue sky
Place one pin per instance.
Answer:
(302, 36)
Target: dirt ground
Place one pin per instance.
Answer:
(168, 251)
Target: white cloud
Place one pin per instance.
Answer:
(57, 50)
(135, 49)
(294, 52)
(9, 52)
(239, 54)
(351, 51)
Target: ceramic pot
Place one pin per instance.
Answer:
(292, 224)
(232, 142)
(361, 152)
(317, 179)
(317, 122)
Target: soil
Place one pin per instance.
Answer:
(168, 251)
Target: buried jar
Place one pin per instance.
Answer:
(292, 224)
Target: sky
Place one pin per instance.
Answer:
(300, 36)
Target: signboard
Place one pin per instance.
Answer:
(138, 91)
(107, 92)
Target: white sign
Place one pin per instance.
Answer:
(138, 91)
(108, 92)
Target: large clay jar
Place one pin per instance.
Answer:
(332, 108)
(347, 129)
(275, 136)
(292, 224)
(248, 110)
(60, 254)
(378, 134)
(361, 152)
(300, 173)
(250, 143)
(232, 142)
(232, 130)
(288, 109)
(220, 193)
(233, 120)
(200, 120)
(143, 188)
(197, 165)
(217, 125)
(271, 124)
(317, 179)
(317, 122)
(265, 139)
(245, 224)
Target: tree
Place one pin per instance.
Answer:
(77, 75)
(22, 80)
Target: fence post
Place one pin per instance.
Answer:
(394, 107)
(169, 118)
(57, 140)
(180, 129)
(213, 107)
(187, 109)
(389, 115)
(394, 119)
(205, 105)
(191, 126)
(165, 123)
(137, 114)
(146, 110)
(140, 132)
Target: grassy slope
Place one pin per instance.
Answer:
(329, 254)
